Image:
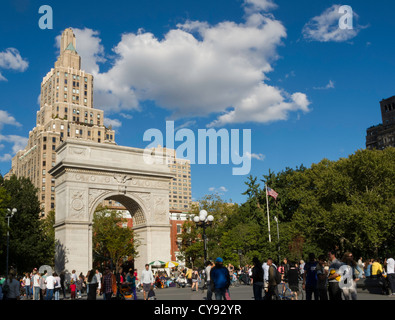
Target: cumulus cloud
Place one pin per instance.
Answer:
(325, 27)
(6, 118)
(220, 190)
(11, 59)
(16, 142)
(197, 70)
(258, 156)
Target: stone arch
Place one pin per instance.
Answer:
(87, 173)
(133, 203)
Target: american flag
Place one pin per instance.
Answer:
(272, 193)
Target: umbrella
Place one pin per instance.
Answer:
(171, 264)
(156, 263)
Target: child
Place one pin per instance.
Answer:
(151, 294)
(73, 288)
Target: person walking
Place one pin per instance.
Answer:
(195, 280)
(390, 265)
(50, 284)
(92, 283)
(43, 286)
(274, 280)
(310, 278)
(11, 288)
(131, 281)
(107, 284)
(220, 280)
(293, 280)
(27, 284)
(350, 288)
(209, 265)
(322, 279)
(147, 280)
(257, 279)
(36, 285)
(62, 286)
(335, 293)
(57, 286)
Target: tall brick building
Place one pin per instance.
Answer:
(383, 135)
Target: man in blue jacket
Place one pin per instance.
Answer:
(220, 279)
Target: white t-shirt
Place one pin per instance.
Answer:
(390, 265)
(36, 280)
(27, 281)
(50, 282)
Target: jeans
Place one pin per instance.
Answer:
(209, 292)
(27, 290)
(350, 292)
(36, 292)
(257, 289)
(49, 294)
(107, 295)
(219, 293)
(57, 294)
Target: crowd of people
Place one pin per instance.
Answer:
(325, 278)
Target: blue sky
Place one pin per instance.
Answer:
(306, 89)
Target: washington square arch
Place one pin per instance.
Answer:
(86, 173)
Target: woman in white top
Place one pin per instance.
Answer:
(26, 282)
(58, 286)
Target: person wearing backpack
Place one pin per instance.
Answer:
(274, 280)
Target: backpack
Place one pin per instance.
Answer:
(277, 275)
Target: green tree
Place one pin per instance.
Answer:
(111, 241)
(29, 246)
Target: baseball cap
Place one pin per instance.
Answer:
(219, 259)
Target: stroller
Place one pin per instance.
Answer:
(125, 292)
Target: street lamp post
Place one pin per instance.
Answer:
(278, 240)
(204, 220)
(10, 214)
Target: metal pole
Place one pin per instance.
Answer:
(8, 242)
(268, 219)
(278, 240)
(204, 242)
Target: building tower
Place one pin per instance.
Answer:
(66, 111)
(383, 135)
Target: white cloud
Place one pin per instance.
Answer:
(6, 118)
(17, 142)
(220, 190)
(114, 123)
(258, 156)
(2, 78)
(197, 70)
(11, 59)
(330, 85)
(325, 27)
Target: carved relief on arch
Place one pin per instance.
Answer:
(77, 209)
(94, 194)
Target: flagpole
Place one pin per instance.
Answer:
(268, 219)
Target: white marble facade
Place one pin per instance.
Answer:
(86, 173)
